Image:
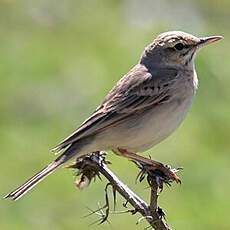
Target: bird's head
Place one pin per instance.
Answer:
(175, 48)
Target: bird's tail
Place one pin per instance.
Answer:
(41, 175)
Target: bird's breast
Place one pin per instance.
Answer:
(159, 123)
(142, 131)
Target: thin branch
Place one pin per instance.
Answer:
(156, 212)
(90, 166)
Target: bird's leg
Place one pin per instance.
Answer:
(150, 164)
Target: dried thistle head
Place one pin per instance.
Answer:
(84, 171)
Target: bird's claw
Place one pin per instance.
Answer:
(170, 173)
(163, 174)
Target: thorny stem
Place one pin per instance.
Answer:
(151, 213)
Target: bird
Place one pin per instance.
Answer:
(143, 108)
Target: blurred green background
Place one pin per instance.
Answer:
(58, 59)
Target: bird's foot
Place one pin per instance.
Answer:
(152, 167)
(162, 173)
(167, 173)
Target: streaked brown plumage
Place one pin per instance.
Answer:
(144, 107)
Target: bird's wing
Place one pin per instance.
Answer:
(137, 90)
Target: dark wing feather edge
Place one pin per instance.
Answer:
(124, 99)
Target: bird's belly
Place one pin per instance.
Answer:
(142, 132)
(160, 126)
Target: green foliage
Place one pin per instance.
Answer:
(57, 61)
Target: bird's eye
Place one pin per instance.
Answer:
(179, 46)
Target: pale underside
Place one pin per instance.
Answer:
(139, 112)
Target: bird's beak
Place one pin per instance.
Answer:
(208, 40)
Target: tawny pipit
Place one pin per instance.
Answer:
(142, 109)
